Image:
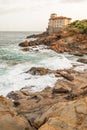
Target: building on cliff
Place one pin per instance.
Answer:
(56, 23)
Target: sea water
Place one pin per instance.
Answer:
(14, 62)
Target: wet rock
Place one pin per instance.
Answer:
(38, 71)
(24, 44)
(82, 60)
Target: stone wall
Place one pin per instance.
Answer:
(52, 30)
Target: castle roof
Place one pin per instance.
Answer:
(59, 17)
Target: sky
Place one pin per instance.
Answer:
(33, 15)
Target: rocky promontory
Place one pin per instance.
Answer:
(72, 39)
(59, 107)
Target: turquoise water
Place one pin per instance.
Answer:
(10, 53)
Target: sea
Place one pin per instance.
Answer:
(14, 63)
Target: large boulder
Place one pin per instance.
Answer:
(66, 116)
(9, 119)
(24, 44)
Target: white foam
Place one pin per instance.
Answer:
(15, 78)
(41, 82)
(81, 68)
(16, 82)
(56, 63)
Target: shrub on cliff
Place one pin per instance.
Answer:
(80, 25)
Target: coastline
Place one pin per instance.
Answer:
(64, 106)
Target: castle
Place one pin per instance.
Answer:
(56, 23)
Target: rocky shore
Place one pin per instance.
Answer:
(59, 107)
(63, 42)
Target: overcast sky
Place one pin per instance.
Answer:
(33, 15)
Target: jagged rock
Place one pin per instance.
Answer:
(62, 86)
(15, 95)
(38, 71)
(44, 34)
(24, 44)
(66, 74)
(79, 87)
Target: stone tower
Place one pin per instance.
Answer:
(56, 23)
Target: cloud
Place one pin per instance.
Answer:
(72, 1)
(10, 10)
(9, 6)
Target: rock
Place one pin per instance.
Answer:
(75, 44)
(66, 116)
(44, 34)
(38, 71)
(82, 60)
(62, 86)
(79, 88)
(78, 54)
(24, 44)
(9, 119)
(15, 95)
(32, 36)
(63, 107)
(67, 75)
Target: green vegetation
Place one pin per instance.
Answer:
(81, 26)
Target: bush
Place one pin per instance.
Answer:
(80, 25)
